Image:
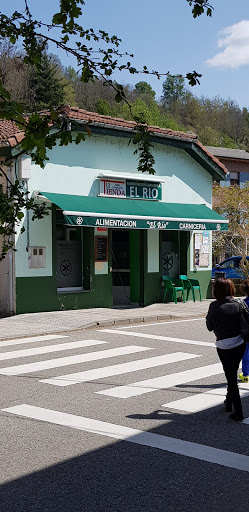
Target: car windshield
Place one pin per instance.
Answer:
(231, 263)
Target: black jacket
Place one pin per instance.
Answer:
(224, 318)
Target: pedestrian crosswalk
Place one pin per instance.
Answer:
(119, 369)
(77, 359)
(119, 358)
(165, 381)
(162, 378)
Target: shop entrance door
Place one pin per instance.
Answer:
(120, 267)
(170, 254)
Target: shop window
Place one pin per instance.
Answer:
(234, 178)
(69, 260)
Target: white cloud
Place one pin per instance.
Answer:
(235, 43)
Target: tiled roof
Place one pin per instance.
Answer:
(210, 154)
(113, 122)
(93, 118)
(238, 154)
(11, 135)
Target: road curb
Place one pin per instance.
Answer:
(141, 320)
(118, 322)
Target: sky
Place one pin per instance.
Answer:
(163, 35)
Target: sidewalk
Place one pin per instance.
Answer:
(60, 321)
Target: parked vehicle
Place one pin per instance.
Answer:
(231, 267)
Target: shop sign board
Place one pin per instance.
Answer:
(138, 223)
(143, 190)
(113, 188)
(101, 248)
(131, 189)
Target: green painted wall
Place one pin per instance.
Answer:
(34, 294)
(145, 287)
(204, 278)
(135, 266)
(46, 297)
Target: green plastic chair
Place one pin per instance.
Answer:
(187, 286)
(190, 284)
(195, 286)
(173, 287)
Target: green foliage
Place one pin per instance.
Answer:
(233, 203)
(47, 86)
(151, 113)
(173, 89)
(104, 108)
(65, 32)
(142, 139)
(145, 88)
(199, 7)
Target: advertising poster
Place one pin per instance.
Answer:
(201, 249)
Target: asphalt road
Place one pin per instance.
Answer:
(129, 419)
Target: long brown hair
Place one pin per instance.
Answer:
(223, 288)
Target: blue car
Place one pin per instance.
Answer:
(231, 267)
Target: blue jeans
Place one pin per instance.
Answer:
(245, 361)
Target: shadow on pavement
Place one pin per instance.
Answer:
(122, 476)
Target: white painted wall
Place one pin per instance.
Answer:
(73, 170)
(40, 234)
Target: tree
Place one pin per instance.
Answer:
(145, 88)
(173, 89)
(15, 74)
(233, 203)
(65, 32)
(48, 87)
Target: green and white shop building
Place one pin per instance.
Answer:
(111, 232)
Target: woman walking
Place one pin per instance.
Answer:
(244, 376)
(224, 319)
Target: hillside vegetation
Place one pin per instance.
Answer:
(216, 122)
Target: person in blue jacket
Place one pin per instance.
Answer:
(244, 376)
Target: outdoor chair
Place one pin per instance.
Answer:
(190, 284)
(187, 286)
(195, 286)
(172, 287)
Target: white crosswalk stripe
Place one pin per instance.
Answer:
(66, 361)
(157, 441)
(161, 338)
(119, 369)
(203, 401)
(60, 347)
(34, 339)
(166, 381)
